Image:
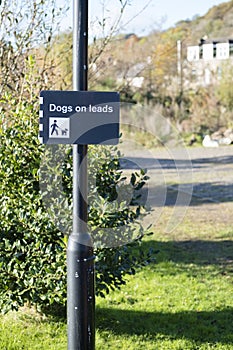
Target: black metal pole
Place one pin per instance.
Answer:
(80, 257)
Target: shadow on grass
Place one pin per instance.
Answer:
(186, 194)
(202, 193)
(199, 252)
(212, 326)
(190, 255)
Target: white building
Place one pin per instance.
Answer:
(207, 52)
(205, 60)
(210, 49)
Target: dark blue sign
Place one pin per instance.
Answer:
(79, 117)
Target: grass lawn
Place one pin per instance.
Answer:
(184, 301)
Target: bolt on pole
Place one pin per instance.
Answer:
(80, 256)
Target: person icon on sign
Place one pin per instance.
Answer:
(54, 127)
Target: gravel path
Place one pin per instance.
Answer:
(194, 184)
(204, 174)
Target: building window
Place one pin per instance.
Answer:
(193, 53)
(222, 51)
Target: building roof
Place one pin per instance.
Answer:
(212, 41)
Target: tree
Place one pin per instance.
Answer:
(26, 28)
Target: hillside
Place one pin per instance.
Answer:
(153, 56)
(145, 70)
(161, 47)
(216, 23)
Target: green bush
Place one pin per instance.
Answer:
(32, 247)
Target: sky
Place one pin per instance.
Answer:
(141, 16)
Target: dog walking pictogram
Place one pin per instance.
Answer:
(59, 127)
(54, 127)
